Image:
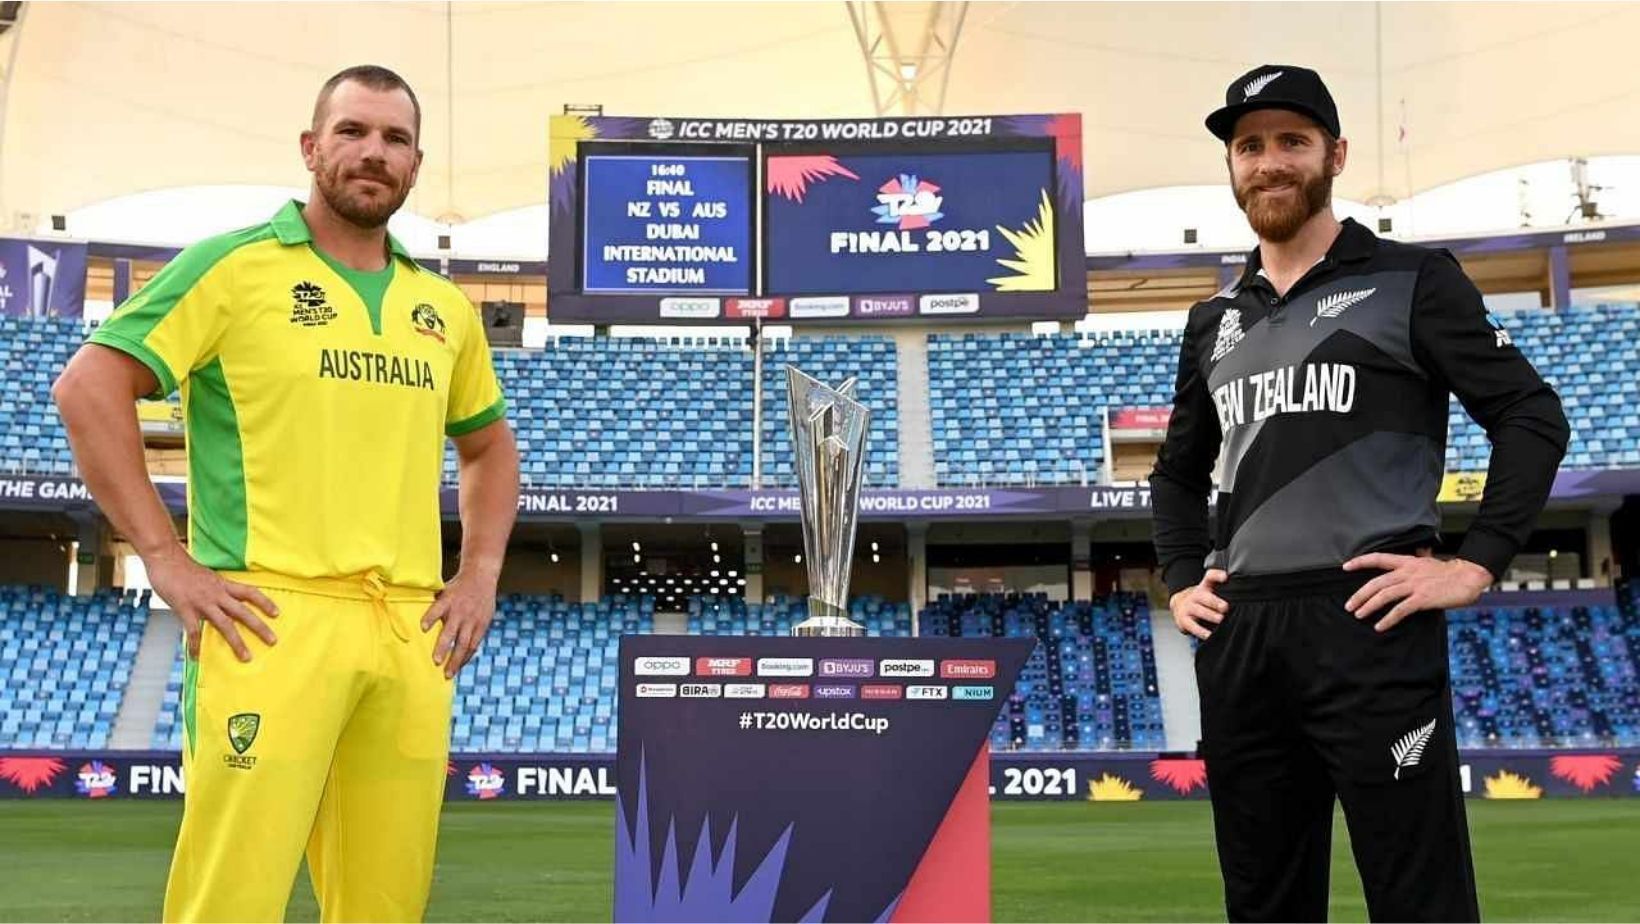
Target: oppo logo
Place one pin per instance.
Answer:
(661, 667)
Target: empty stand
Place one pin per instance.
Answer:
(66, 663)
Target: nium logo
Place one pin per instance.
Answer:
(927, 691)
(962, 670)
(661, 129)
(1256, 86)
(905, 667)
(743, 691)
(700, 690)
(723, 667)
(973, 693)
(785, 667)
(1334, 305)
(661, 667)
(657, 690)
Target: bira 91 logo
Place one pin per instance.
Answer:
(96, 780)
(485, 782)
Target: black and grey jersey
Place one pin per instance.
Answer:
(1324, 411)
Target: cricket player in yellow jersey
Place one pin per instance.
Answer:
(321, 369)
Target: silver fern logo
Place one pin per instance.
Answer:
(1230, 333)
(1256, 86)
(1335, 304)
(1409, 751)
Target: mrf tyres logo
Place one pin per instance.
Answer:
(309, 306)
(242, 731)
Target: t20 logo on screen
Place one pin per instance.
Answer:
(96, 781)
(908, 202)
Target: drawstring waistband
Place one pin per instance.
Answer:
(368, 586)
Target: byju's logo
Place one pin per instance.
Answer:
(908, 202)
(485, 782)
(96, 781)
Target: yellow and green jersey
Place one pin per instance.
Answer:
(316, 400)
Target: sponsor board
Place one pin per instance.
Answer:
(691, 308)
(948, 304)
(968, 670)
(657, 690)
(743, 691)
(882, 691)
(832, 306)
(927, 691)
(847, 667)
(906, 667)
(785, 667)
(661, 667)
(723, 667)
(788, 691)
(700, 690)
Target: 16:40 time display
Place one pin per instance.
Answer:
(933, 241)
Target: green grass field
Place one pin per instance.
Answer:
(1554, 860)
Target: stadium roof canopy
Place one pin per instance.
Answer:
(108, 99)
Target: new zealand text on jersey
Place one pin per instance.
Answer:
(1287, 390)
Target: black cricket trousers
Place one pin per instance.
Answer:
(1301, 703)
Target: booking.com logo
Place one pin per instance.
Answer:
(908, 202)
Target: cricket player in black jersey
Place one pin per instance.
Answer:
(1318, 383)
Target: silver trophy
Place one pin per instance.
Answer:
(829, 435)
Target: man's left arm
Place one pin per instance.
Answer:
(489, 504)
(1466, 353)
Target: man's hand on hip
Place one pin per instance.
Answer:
(1196, 609)
(199, 595)
(1419, 582)
(465, 606)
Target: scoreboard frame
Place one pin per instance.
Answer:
(573, 137)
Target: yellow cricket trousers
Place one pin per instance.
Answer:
(333, 741)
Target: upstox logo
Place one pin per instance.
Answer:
(906, 667)
(661, 667)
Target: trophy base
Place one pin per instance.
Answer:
(829, 626)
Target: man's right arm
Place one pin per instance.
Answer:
(1179, 487)
(96, 395)
(1183, 475)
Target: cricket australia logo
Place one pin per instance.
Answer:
(1230, 333)
(426, 321)
(1335, 304)
(309, 307)
(1409, 751)
(242, 729)
(1256, 86)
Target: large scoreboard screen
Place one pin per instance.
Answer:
(700, 220)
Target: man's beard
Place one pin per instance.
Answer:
(1278, 220)
(355, 209)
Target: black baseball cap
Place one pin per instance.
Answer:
(1275, 86)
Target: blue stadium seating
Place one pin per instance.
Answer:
(1547, 677)
(1022, 408)
(1090, 683)
(1025, 409)
(32, 438)
(1591, 354)
(67, 661)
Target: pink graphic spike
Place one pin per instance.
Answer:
(790, 176)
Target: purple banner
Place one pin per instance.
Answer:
(46, 492)
(1066, 776)
(42, 279)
